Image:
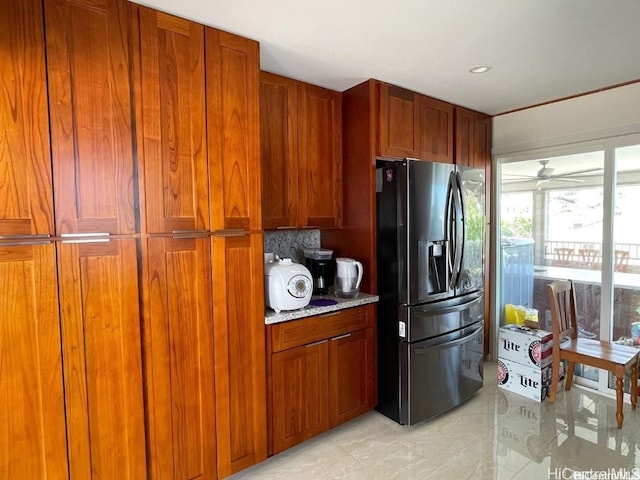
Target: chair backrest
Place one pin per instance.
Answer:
(562, 256)
(622, 260)
(590, 257)
(562, 301)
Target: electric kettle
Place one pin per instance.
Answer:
(348, 277)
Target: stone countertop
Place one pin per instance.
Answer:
(272, 317)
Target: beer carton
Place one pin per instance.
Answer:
(525, 346)
(528, 381)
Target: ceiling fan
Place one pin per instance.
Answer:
(545, 174)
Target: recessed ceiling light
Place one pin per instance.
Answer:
(480, 69)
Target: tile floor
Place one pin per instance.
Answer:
(494, 435)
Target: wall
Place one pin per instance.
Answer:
(598, 115)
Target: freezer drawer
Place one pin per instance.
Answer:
(439, 374)
(438, 318)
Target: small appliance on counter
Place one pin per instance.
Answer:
(287, 285)
(318, 261)
(348, 277)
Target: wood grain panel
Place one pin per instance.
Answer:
(436, 130)
(464, 136)
(292, 334)
(179, 358)
(301, 389)
(279, 151)
(320, 156)
(172, 94)
(26, 201)
(398, 123)
(88, 48)
(239, 346)
(351, 359)
(102, 364)
(33, 436)
(233, 131)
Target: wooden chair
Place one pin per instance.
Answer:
(622, 260)
(590, 258)
(562, 257)
(617, 359)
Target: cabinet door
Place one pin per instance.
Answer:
(464, 136)
(239, 346)
(481, 157)
(173, 149)
(279, 155)
(399, 123)
(351, 366)
(436, 130)
(300, 394)
(102, 365)
(179, 358)
(89, 84)
(320, 156)
(26, 202)
(33, 441)
(233, 130)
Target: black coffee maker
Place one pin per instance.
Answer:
(318, 261)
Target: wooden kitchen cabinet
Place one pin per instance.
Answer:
(322, 372)
(170, 64)
(179, 379)
(239, 346)
(233, 131)
(279, 151)
(102, 367)
(413, 125)
(301, 154)
(90, 102)
(398, 122)
(33, 439)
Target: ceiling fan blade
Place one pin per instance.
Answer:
(580, 172)
(562, 178)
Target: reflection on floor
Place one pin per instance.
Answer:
(494, 435)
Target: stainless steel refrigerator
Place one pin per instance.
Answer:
(430, 239)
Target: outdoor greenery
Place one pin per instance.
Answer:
(517, 227)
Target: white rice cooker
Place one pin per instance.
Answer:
(287, 285)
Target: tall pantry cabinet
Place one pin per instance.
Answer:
(128, 166)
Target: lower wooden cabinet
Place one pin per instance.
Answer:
(321, 373)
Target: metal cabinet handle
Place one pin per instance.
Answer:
(341, 337)
(93, 237)
(184, 234)
(230, 232)
(315, 343)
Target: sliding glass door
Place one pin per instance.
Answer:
(572, 214)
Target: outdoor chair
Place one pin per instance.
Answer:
(562, 257)
(615, 358)
(622, 260)
(590, 258)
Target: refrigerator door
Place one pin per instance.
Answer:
(414, 201)
(470, 277)
(440, 373)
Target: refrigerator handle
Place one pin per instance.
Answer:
(460, 229)
(450, 232)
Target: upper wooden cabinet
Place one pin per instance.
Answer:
(319, 156)
(233, 123)
(279, 151)
(26, 199)
(172, 131)
(473, 138)
(414, 125)
(88, 64)
(301, 146)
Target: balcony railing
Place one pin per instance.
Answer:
(551, 256)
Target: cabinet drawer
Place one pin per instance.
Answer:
(300, 332)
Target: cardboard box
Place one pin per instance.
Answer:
(525, 346)
(530, 382)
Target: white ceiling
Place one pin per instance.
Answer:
(539, 50)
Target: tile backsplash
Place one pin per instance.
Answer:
(290, 243)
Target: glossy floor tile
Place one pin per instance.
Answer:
(494, 435)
